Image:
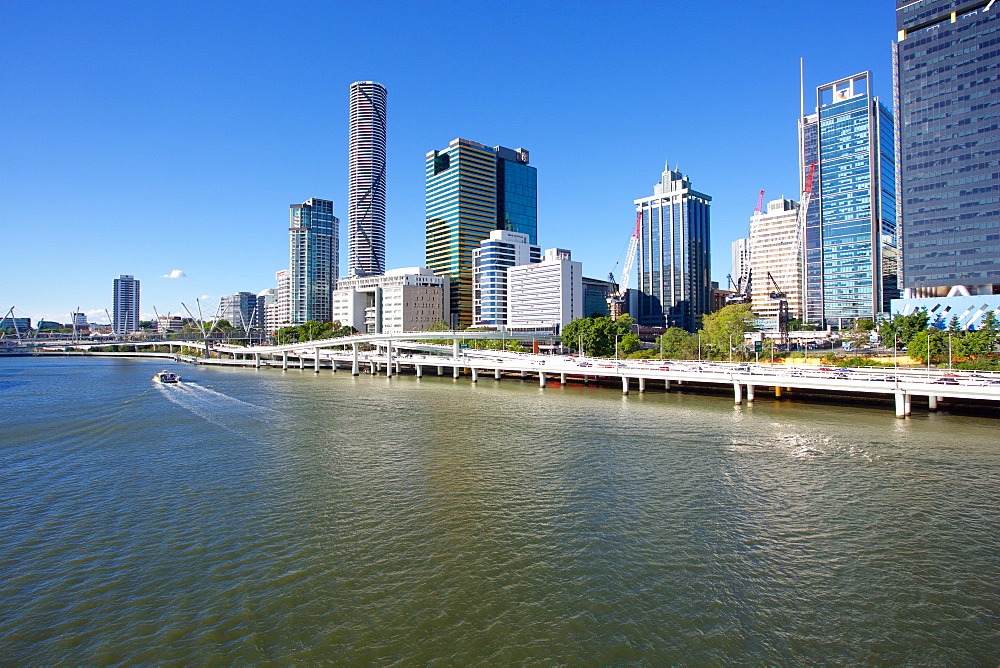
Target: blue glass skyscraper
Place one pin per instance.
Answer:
(517, 193)
(675, 284)
(947, 65)
(851, 259)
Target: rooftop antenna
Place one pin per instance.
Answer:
(802, 88)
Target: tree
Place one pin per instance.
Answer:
(933, 340)
(600, 335)
(903, 328)
(675, 343)
(728, 327)
(861, 333)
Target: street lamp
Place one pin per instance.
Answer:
(730, 348)
(617, 336)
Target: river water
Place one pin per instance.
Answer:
(253, 516)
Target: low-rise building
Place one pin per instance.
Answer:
(412, 299)
(545, 295)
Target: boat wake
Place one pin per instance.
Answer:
(233, 415)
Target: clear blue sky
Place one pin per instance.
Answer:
(143, 137)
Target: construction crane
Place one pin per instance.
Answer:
(782, 298)
(742, 285)
(617, 292)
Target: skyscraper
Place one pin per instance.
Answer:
(675, 283)
(126, 309)
(945, 63)
(313, 263)
(366, 180)
(471, 191)
(851, 260)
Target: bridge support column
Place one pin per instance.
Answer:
(642, 385)
(475, 374)
(256, 360)
(562, 379)
(541, 379)
(316, 360)
(666, 384)
(284, 360)
(420, 370)
(497, 374)
(900, 405)
(456, 371)
(454, 348)
(749, 393)
(440, 370)
(624, 384)
(388, 359)
(524, 374)
(908, 403)
(738, 393)
(932, 402)
(777, 392)
(374, 369)
(355, 369)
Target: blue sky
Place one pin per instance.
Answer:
(146, 137)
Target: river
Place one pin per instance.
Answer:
(254, 516)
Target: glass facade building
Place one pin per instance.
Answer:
(947, 67)
(313, 263)
(851, 262)
(126, 305)
(473, 190)
(517, 193)
(675, 285)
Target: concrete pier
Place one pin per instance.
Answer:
(440, 370)
(475, 375)
(749, 393)
(355, 369)
(562, 379)
(284, 360)
(642, 385)
(932, 402)
(900, 405)
(420, 370)
(738, 392)
(497, 374)
(541, 379)
(316, 360)
(624, 384)
(388, 358)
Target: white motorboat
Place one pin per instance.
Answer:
(166, 378)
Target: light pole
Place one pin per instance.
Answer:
(928, 353)
(581, 345)
(730, 348)
(617, 336)
(699, 346)
(949, 351)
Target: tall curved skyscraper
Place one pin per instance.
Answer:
(366, 187)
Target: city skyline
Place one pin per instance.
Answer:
(188, 137)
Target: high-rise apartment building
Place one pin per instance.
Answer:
(126, 305)
(366, 180)
(776, 263)
(490, 262)
(851, 259)
(240, 311)
(675, 283)
(471, 191)
(545, 295)
(946, 64)
(313, 261)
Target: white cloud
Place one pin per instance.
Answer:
(176, 273)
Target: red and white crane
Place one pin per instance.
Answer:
(619, 290)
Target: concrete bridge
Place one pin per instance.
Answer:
(419, 353)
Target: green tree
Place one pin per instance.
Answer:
(600, 335)
(931, 341)
(675, 343)
(903, 328)
(728, 326)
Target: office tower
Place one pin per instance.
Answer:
(595, 297)
(366, 180)
(240, 310)
(740, 272)
(517, 193)
(413, 299)
(851, 261)
(776, 263)
(471, 191)
(490, 262)
(674, 261)
(313, 266)
(126, 305)
(945, 63)
(545, 295)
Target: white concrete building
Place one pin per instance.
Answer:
(546, 294)
(741, 263)
(490, 262)
(401, 300)
(169, 323)
(775, 248)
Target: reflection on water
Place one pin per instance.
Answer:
(250, 516)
